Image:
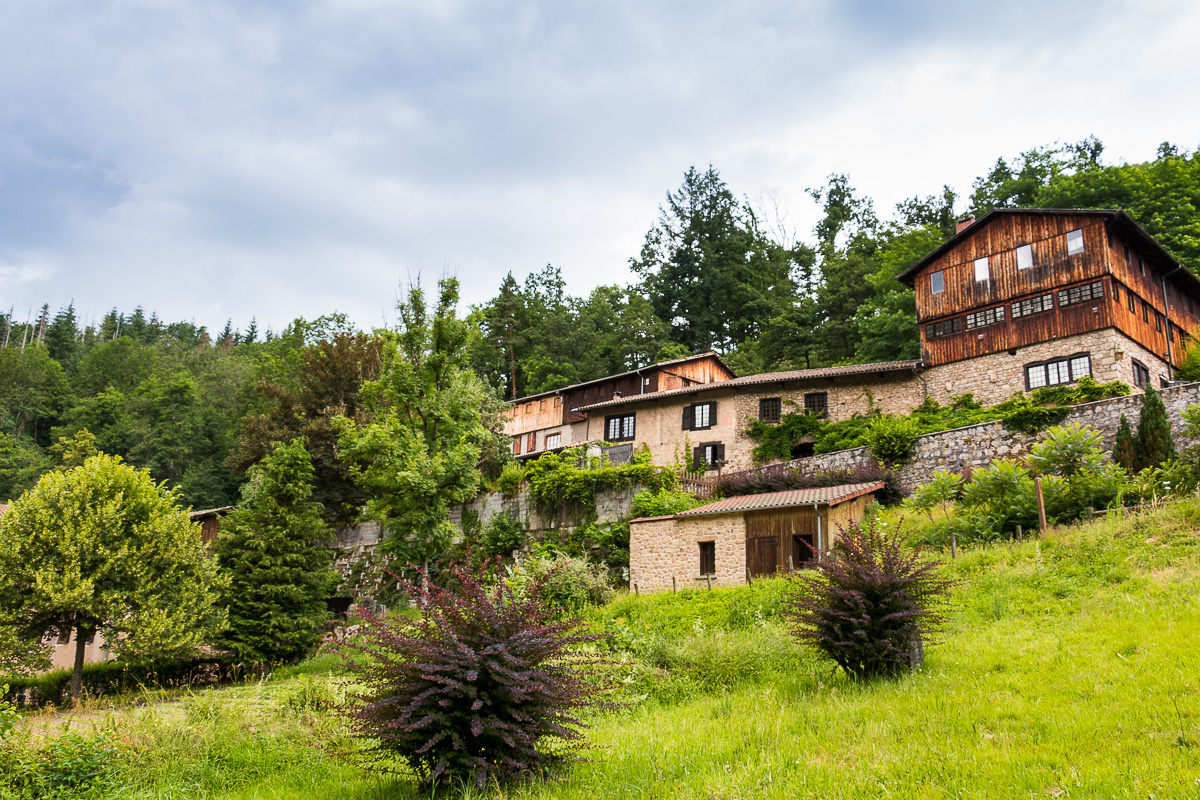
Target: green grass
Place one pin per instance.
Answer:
(1070, 668)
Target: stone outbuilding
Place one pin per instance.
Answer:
(727, 541)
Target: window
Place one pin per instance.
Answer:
(1081, 294)
(699, 416)
(1141, 375)
(553, 440)
(708, 455)
(1132, 302)
(1062, 370)
(988, 317)
(981, 269)
(816, 403)
(1074, 242)
(708, 558)
(1158, 322)
(1145, 311)
(1170, 331)
(770, 409)
(937, 282)
(936, 330)
(1034, 305)
(1025, 256)
(619, 428)
(1116, 292)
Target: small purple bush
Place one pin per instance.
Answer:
(871, 604)
(484, 685)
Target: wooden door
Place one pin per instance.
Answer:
(762, 555)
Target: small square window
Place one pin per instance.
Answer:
(770, 409)
(708, 558)
(1074, 242)
(937, 282)
(1025, 256)
(816, 403)
(981, 269)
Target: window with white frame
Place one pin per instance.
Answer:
(1081, 294)
(1058, 371)
(1074, 242)
(981, 269)
(619, 428)
(988, 316)
(1034, 305)
(699, 416)
(937, 282)
(553, 440)
(1025, 256)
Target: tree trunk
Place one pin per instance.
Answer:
(77, 674)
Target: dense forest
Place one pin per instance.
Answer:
(198, 409)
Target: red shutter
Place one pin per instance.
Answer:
(532, 445)
(516, 445)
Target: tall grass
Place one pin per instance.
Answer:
(1070, 668)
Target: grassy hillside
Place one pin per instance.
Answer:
(1070, 668)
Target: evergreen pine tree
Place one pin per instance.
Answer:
(1154, 444)
(1124, 453)
(271, 551)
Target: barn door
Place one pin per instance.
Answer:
(762, 555)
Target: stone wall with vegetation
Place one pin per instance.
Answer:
(976, 446)
(660, 549)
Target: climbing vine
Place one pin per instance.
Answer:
(568, 481)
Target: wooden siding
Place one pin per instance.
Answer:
(998, 240)
(533, 415)
(770, 536)
(1103, 256)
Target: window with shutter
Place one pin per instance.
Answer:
(699, 416)
(619, 428)
(516, 445)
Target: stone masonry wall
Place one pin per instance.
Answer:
(977, 446)
(660, 548)
(995, 378)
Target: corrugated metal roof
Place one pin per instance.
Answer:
(766, 377)
(823, 495)
(710, 354)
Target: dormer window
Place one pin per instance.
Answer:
(937, 282)
(1025, 256)
(1074, 242)
(981, 269)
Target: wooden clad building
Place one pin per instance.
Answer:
(1020, 277)
(556, 419)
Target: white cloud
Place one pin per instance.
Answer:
(233, 160)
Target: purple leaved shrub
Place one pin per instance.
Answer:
(484, 685)
(871, 604)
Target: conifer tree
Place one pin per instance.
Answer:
(271, 551)
(1124, 452)
(1154, 444)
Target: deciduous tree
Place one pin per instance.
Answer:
(102, 548)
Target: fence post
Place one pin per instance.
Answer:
(1037, 485)
(635, 591)
(709, 579)
(749, 577)
(953, 545)
(791, 565)
(1020, 532)
(672, 584)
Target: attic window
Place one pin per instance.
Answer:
(1074, 242)
(1025, 256)
(981, 269)
(937, 282)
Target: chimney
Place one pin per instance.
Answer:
(963, 224)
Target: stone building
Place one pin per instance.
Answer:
(726, 541)
(706, 424)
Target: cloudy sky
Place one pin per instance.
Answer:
(239, 159)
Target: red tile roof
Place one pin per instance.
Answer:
(824, 495)
(767, 377)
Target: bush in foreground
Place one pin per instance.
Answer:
(484, 685)
(871, 604)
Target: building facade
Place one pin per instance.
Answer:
(1027, 298)
(556, 419)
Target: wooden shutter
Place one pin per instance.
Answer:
(697, 457)
(712, 414)
(688, 416)
(719, 453)
(532, 444)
